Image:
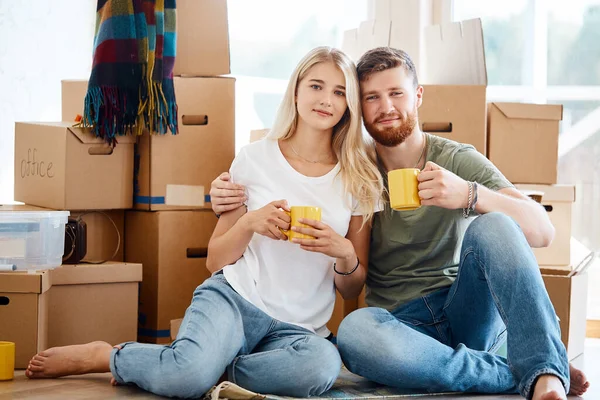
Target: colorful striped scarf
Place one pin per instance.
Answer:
(131, 84)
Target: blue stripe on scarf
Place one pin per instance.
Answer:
(169, 47)
(119, 27)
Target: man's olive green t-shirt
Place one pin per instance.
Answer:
(414, 253)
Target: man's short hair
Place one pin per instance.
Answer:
(382, 58)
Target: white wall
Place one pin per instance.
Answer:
(41, 42)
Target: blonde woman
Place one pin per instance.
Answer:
(261, 317)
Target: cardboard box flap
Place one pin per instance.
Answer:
(558, 193)
(86, 136)
(455, 54)
(24, 282)
(96, 273)
(552, 112)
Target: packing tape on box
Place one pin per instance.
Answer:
(158, 199)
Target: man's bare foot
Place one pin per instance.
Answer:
(579, 382)
(70, 360)
(549, 387)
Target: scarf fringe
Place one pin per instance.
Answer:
(111, 111)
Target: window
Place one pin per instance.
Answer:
(545, 51)
(268, 38)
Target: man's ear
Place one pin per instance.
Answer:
(419, 94)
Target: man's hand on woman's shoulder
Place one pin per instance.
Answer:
(225, 195)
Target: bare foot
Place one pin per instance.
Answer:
(70, 360)
(579, 382)
(549, 387)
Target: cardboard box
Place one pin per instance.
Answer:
(24, 313)
(102, 236)
(341, 309)
(73, 93)
(454, 97)
(558, 202)
(202, 38)
(569, 297)
(65, 168)
(174, 327)
(515, 132)
(172, 246)
(93, 302)
(175, 171)
(398, 24)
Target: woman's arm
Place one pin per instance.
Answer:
(234, 231)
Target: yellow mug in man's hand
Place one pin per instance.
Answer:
(404, 189)
(297, 212)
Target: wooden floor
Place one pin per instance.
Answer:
(97, 386)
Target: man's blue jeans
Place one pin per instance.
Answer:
(445, 341)
(222, 331)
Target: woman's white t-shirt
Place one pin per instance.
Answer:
(289, 284)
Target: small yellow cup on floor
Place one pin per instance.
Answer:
(404, 189)
(297, 212)
(7, 361)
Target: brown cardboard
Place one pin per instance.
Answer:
(455, 81)
(172, 246)
(174, 172)
(24, 313)
(54, 168)
(456, 112)
(527, 133)
(341, 309)
(93, 302)
(174, 327)
(558, 202)
(202, 38)
(73, 96)
(569, 297)
(102, 235)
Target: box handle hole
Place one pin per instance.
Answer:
(437, 126)
(194, 119)
(4, 301)
(197, 252)
(100, 151)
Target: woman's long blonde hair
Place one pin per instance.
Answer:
(354, 151)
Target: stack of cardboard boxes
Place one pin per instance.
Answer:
(520, 139)
(148, 196)
(172, 223)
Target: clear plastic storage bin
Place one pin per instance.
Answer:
(32, 240)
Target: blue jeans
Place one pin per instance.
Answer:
(222, 332)
(445, 341)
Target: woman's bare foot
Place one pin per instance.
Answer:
(549, 387)
(70, 360)
(579, 382)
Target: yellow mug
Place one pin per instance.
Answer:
(404, 189)
(295, 214)
(7, 361)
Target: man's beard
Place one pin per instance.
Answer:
(393, 135)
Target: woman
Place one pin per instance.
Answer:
(261, 316)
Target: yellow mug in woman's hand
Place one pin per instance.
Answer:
(298, 212)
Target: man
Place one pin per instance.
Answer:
(444, 289)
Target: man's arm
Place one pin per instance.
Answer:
(442, 188)
(531, 216)
(225, 195)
